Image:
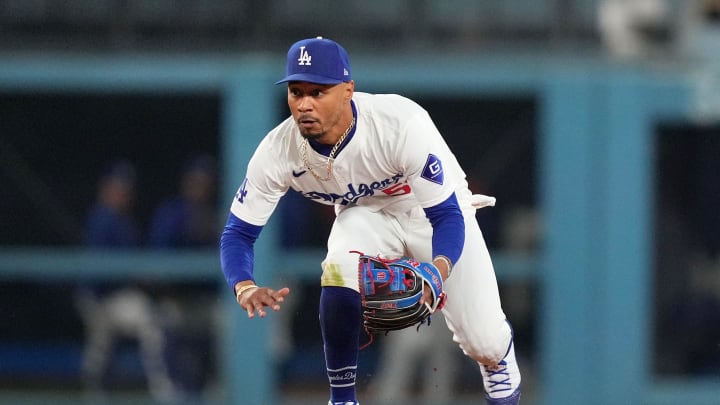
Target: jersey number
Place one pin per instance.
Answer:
(398, 189)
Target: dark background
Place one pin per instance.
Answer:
(54, 147)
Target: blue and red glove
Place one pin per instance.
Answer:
(392, 289)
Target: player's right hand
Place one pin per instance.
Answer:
(257, 299)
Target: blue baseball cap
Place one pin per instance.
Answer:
(317, 60)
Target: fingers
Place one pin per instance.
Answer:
(428, 300)
(282, 292)
(257, 300)
(426, 296)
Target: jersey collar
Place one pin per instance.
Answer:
(325, 149)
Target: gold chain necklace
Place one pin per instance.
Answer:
(331, 156)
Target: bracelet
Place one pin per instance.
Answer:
(447, 261)
(242, 290)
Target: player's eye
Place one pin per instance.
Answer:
(317, 93)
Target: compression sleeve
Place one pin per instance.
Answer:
(236, 250)
(448, 228)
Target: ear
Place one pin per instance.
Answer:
(349, 90)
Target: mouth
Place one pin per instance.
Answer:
(307, 123)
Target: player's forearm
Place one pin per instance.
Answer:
(236, 251)
(448, 229)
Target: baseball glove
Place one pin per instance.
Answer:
(391, 291)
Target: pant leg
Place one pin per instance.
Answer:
(473, 311)
(355, 228)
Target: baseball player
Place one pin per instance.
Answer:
(397, 189)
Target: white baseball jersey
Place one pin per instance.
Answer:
(395, 161)
(395, 164)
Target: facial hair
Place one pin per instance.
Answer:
(312, 136)
(309, 135)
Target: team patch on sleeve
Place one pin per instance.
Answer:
(242, 192)
(433, 170)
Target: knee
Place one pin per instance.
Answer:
(487, 346)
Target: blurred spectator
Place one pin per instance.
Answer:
(700, 29)
(189, 219)
(700, 41)
(631, 28)
(110, 222)
(110, 313)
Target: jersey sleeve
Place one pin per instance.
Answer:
(264, 185)
(432, 169)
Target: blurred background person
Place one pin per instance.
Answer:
(110, 221)
(189, 220)
(111, 313)
(634, 28)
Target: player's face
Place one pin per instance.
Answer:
(322, 112)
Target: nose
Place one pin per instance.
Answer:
(304, 104)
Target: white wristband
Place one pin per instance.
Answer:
(242, 290)
(447, 261)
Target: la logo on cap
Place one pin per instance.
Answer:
(305, 58)
(331, 64)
